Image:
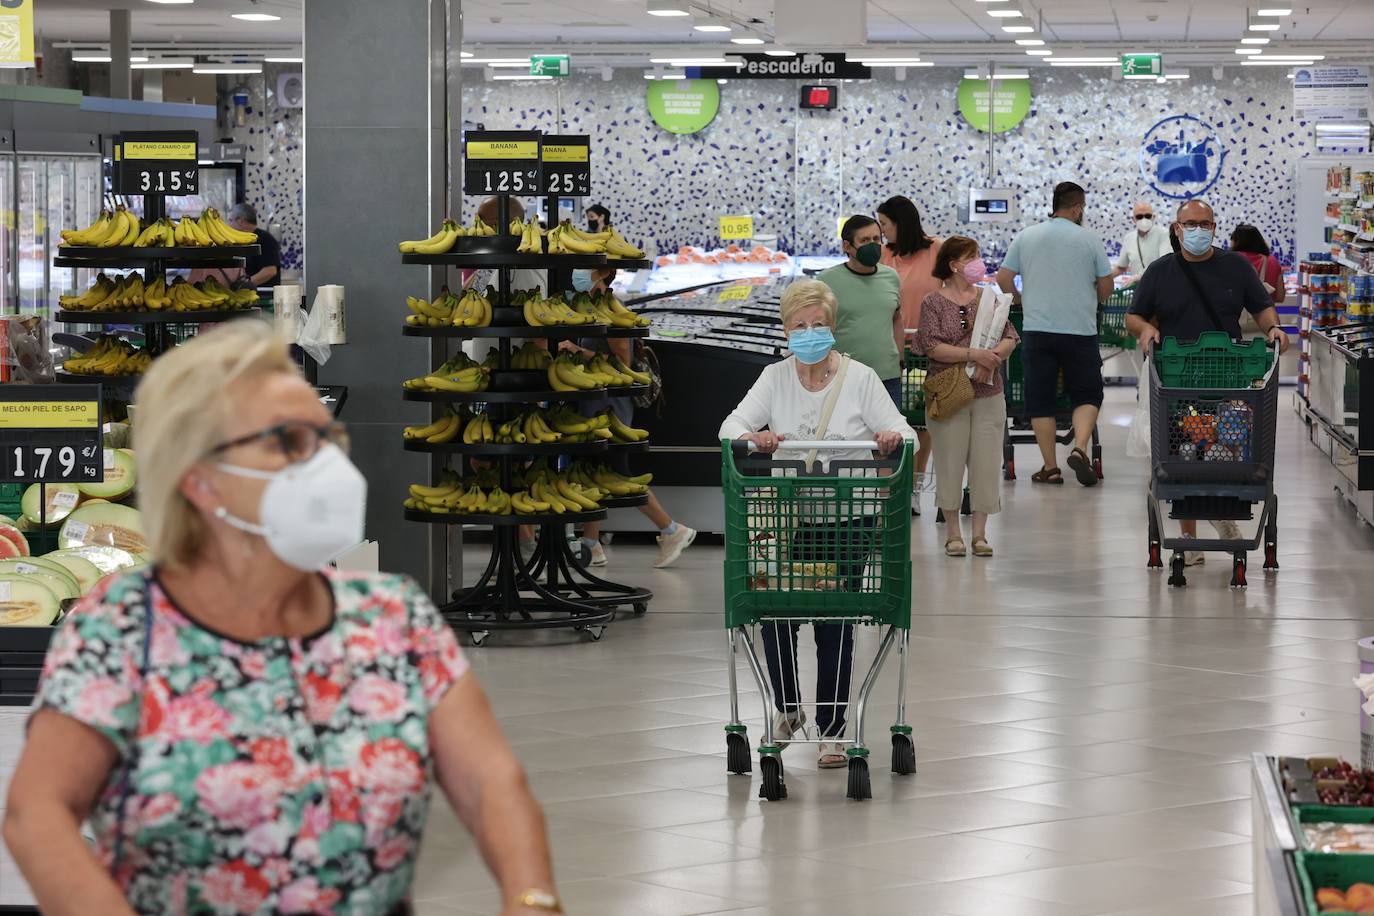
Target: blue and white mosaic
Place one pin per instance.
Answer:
(275, 160)
(797, 173)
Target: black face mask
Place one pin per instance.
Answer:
(593, 226)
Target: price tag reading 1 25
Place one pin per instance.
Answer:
(501, 162)
(736, 227)
(51, 434)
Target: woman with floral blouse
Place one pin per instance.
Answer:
(243, 729)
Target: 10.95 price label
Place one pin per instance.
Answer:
(51, 434)
(501, 162)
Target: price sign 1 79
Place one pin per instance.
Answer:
(501, 162)
(51, 434)
(567, 165)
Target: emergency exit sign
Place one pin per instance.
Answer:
(1142, 64)
(549, 65)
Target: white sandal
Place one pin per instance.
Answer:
(785, 725)
(831, 757)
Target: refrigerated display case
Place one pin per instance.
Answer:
(1339, 411)
(51, 191)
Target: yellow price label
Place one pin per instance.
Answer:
(566, 153)
(143, 149)
(503, 149)
(736, 227)
(737, 293)
(49, 414)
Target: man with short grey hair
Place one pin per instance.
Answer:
(1146, 243)
(262, 269)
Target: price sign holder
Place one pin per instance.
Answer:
(501, 162)
(156, 162)
(567, 165)
(51, 434)
(736, 227)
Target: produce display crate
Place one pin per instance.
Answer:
(914, 389)
(1331, 869)
(1214, 360)
(1111, 323)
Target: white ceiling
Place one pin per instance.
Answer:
(199, 22)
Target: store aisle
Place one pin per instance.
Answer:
(1082, 730)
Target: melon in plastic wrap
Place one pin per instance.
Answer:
(60, 582)
(87, 573)
(104, 525)
(106, 559)
(26, 602)
(62, 498)
(120, 475)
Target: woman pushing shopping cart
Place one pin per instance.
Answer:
(818, 531)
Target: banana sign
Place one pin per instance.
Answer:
(16, 33)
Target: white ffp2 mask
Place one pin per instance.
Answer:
(311, 511)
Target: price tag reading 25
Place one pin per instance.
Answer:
(567, 165)
(501, 162)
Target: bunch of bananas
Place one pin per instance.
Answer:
(131, 293)
(552, 312)
(444, 429)
(541, 491)
(607, 309)
(613, 482)
(570, 372)
(459, 374)
(565, 238)
(472, 310)
(110, 356)
(111, 229)
(530, 358)
(121, 228)
(449, 233)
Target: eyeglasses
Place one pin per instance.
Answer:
(1140, 216)
(297, 441)
(1199, 224)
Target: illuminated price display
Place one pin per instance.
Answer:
(501, 162)
(156, 162)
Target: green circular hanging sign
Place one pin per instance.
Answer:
(998, 112)
(683, 106)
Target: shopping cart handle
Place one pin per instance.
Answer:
(808, 444)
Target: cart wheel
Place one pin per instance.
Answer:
(640, 608)
(737, 759)
(1177, 579)
(1238, 571)
(903, 755)
(1156, 560)
(1009, 470)
(1271, 557)
(593, 632)
(858, 779)
(1097, 469)
(966, 507)
(478, 637)
(773, 787)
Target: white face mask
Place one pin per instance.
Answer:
(1144, 225)
(310, 512)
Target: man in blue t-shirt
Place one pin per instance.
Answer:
(1065, 276)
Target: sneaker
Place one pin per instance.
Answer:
(598, 556)
(1228, 530)
(916, 502)
(787, 724)
(671, 546)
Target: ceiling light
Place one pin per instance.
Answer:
(898, 63)
(1039, 52)
(1248, 51)
(1293, 58)
(170, 2)
(711, 24)
(664, 75)
(1030, 42)
(464, 54)
(1264, 26)
(284, 60)
(1064, 63)
(165, 63)
(103, 59)
(1087, 60)
(1257, 62)
(780, 52)
(689, 61)
(667, 13)
(1255, 40)
(912, 59)
(1000, 75)
(668, 8)
(989, 1)
(722, 82)
(496, 60)
(1005, 14)
(255, 17)
(227, 68)
(1274, 11)
(1018, 29)
(509, 66)
(746, 41)
(1161, 78)
(517, 76)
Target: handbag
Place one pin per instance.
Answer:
(648, 362)
(827, 409)
(948, 392)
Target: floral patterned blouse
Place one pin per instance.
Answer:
(944, 321)
(284, 775)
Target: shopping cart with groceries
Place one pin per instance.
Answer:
(825, 545)
(1112, 336)
(1213, 409)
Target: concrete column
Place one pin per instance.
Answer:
(152, 85)
(373, 170)
(121, 43)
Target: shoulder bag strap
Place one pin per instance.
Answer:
(828, 409)
(128, 778)
(1202, 297)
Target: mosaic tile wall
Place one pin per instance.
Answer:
(796, 175)
(275, 155)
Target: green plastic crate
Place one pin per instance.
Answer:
(1214, 360)
(1331, 869)
(10, 496)
(914, 390)
(1111, 329)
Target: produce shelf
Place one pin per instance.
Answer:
(110, 381)
(629, 263)
(504, 521)
(627, 332)
(492, 396)
(521, 330)
(496, 449)
(514, 261)
(127, 254)
(625, 502)
(159, 317)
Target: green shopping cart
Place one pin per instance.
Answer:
(914, 389)
(831, 547)
(1111, 321)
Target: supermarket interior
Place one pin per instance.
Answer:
(687, 457)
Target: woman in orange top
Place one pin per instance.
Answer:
(911, 253)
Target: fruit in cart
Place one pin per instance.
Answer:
(1359, 896)
(104, 525)
(61, 499)
(111, 356)
(27, 602)
(438, 243)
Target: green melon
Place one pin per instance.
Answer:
(61, 498)
(87, 573)
(119, 478)
(60, 582)
(104, 525)
(25, 601)
(106, 559)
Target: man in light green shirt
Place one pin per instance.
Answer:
(868, 323)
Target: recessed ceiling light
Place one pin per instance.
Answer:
(912, 59)
(1039, 52)
(666, 13)
(1255, 40)
(689, 61)
(664, 75)
(668, 8)
(1264, 26)
(227, 68)
(464, 54)
(990, 1)
(1274, 11)
(1018, 29)
(1005, 14)
(1257, 62)
(1087, 60)
(1030, 42)
(711, 24)
(1000, 75)
(1294, 57)
(170, 2)
(1248, 51)
(722, 82)
(284, 60)
(164, 63)
(103, 59)
(746, 41)
(506, 65)
(255, 17)
(496, 60)
(780, 52)
(898, 63)
(517, 76)
(1064, 63)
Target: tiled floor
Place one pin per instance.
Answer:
(1081, 728)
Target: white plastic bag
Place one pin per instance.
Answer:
(313, 336)
(1138, 439)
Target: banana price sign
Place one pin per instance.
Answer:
(502, 162)
(16, 33)
(567, 164)
(156, 162)
(736, 227)
(51, 434)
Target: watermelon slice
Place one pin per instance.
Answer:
(26, 602)
(16, 537)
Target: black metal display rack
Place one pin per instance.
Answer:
(554, 589)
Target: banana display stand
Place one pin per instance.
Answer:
(553, 589)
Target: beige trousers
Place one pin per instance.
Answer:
(972, 440)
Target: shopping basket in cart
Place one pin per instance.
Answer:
(1111, 321)
(830, 547)
(914, 389)
(1213, 409)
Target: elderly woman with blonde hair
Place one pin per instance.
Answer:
(243, 729)
(816, 393)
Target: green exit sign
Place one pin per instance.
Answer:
(1142, 64)
(549, 65)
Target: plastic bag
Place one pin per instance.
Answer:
(312, 337)
(1138, 439)
(25, 352)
